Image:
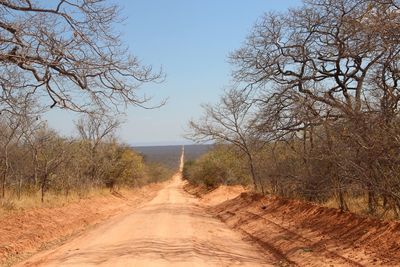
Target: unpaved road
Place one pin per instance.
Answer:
(171, 230)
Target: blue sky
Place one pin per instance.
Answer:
(191, 41)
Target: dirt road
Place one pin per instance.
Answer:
(171, 230)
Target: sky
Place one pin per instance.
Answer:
(191, 41)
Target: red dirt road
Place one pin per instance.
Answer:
(177, 229)
(173, 229)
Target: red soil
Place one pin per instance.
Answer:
(295, 232)
(23, 233)
(306, 234)
(214, 196)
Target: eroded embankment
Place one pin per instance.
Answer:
(306, 234)
(26, 232)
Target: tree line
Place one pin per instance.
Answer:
(314, 104)
(35, 158)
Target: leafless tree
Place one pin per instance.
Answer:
(51, 154)
(9, 133)
(231, 121)
(32, 127)
(68, 52)
(329, 70)
(93, 129)
(327, 51)
(14, 123)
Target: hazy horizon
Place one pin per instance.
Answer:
(166, 143)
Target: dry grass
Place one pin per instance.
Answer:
(13, 204)
(358, 205)
(355, 204)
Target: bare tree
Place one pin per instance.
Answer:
(69, 53)
(9, 134)
(51, 154)
(93, 129)
(327, 51)
(231, 121)
(14, 123)
(32, 127)
(329, 70)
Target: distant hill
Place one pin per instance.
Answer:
(170, 155)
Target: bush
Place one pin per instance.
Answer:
(221, 165)
(157, 172)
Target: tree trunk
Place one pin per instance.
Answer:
(44, 182)
(92, 165)
(19, 187)
(3, 184)
(371, 201)
(35, 169)
(42, 189)
(5, 173)
(342, 202)
(254, 176)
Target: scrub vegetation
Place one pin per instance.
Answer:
(314, 110)
(39, 162)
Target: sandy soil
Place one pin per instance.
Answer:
(171, 230)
